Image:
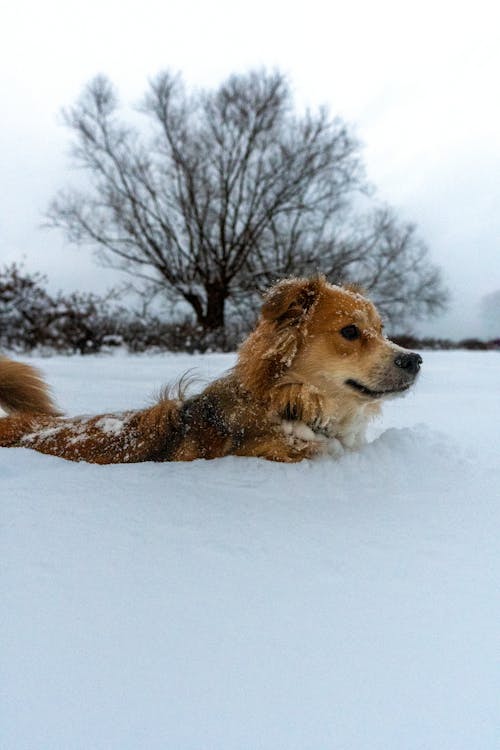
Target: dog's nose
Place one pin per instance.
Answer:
(410, 362)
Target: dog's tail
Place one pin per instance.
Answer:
(22, 389)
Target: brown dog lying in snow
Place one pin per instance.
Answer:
(307, 380)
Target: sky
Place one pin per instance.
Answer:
(418, 81)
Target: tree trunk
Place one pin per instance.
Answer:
(210, 312)
(216, 299)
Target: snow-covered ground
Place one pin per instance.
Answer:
(244, 605)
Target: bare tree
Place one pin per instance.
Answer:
(230, 190)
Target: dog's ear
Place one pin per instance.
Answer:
(290, 300)
(272, 347)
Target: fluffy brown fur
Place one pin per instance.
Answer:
(299, 388)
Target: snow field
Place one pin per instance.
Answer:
(338, 605)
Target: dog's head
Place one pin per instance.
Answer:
(327, 336)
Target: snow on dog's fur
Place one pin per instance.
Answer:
(307, 380)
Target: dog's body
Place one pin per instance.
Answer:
(308, 379)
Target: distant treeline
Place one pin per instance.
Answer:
(474, 344)
(86, 323)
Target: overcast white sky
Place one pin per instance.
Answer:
(419, 80)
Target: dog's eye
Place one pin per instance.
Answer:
(350, 332)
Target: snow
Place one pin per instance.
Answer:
(111, 425)
(348, 604)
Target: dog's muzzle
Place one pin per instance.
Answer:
(392, 383)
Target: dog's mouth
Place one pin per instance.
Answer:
(375, 394)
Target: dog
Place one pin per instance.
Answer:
(306, 382)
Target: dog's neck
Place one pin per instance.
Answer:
(336, 417)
